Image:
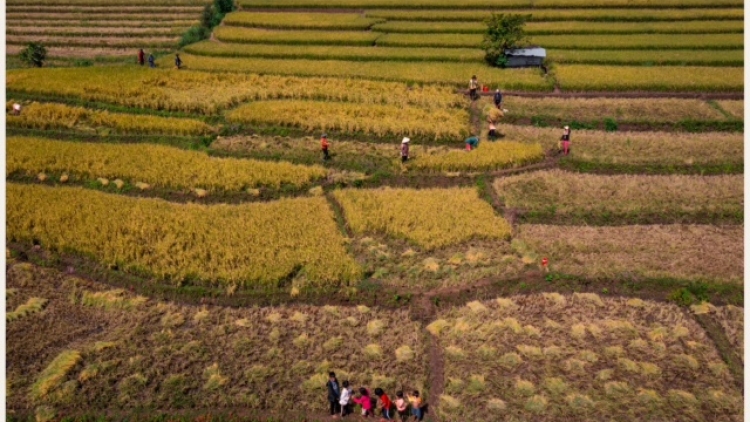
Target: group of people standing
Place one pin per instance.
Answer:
(152, 61)
(342, 399)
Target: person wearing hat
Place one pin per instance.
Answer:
(404, 149)
(324, 146)
(473, 85)
(565, 141)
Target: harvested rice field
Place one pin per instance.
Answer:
(563, 357)
(568, 198)
(638, 252)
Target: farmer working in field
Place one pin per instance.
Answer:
(565, 141)
(498, 98)
(140, 57)
(177, 61)
(473, 85)
(324, 146)
(151, 61)
(405, 150)
(472, 142)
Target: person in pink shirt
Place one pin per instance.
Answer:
(365, 401)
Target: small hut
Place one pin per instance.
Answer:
(525, 57)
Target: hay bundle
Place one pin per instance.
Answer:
(494, 115)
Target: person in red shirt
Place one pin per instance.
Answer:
(386, 403)
(324, 146)
(140, 57)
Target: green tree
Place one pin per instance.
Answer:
(34, 54)
(503, 32)
(224, 6)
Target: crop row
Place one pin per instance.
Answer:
(573, 198)
(92, 32)
(321, 21)
(662, 78)
(59, 116)
(96, 41)
(456, 215)
(579, 357)
(104, 8)
(208, 93)
(82, 23)
(153, 164)
(567, 27)
(434, 73)
(638, 252)
(235, 34)
(378, 120)
(67, 53)
(361, 53)
(580, 42)
(108, 3)
(487, 4)
(109, 16)
(322, 52)
(252, 244)
(339, 21)
(623, 110)
(541, 15)
(492, 156)
(636, 150)
(708, 57)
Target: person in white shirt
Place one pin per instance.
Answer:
(346, 394)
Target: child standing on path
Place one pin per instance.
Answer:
(364, 401)
(324, 146)
(402, 406)
(416, 405)
(334, 394)
(346, 395)
(385, 403)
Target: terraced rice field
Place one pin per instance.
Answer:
(95, 30)
(178, 241)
